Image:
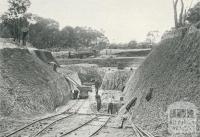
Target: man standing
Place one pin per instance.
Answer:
(55, 67)
(98, 99)
(97, 86)
(110, 105)
(75, 95)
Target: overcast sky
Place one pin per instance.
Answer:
(122, 20)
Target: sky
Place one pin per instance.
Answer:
(121, 20)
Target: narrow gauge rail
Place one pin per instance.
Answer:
(144, 133)
(139, 132)
(101, 127)
(46, 118)
(86, 123)
(54, 122)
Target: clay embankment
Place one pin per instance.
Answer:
(28, 85)
(173, 71)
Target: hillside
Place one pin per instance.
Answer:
(173, 71)
(116, 80)
(28, 85)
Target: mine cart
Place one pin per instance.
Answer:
(84, 91)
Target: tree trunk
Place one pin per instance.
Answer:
(175, 13)
(184, 17)
(181, 16)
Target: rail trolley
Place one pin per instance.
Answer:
(182, 118)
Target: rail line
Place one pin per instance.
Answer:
(86, 123)
(39, 132)
(54, 122)
(145, 133)
(100, 127)
(139, 132)
(67, 133)
(46, 118)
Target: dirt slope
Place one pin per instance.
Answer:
(28, 85)
(115, 80)
(45, 56)
(173, 71)
(72, 74)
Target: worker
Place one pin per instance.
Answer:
(72, 94)
(75, 94)
(126, 114)
(110, 105)
(123, 88)
(55, 67)
(97, 86)
(24, 35)
(98, 100)
(124, 118)
(69, 56)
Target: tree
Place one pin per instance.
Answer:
(152, 37)
(175, 13)
(193, 15)
(44, 33)
(88, 37)
(132, 44)
(4, 32)
(181, 16)
(101, 43)
(68, 38)
(14, 19)
(181, 21)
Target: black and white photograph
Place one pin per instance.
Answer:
(99, 68)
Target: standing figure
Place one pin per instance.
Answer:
(98, 99)
(123, 88)
(97, 86)
(75, 95)
(55, 67)
(24, 35)
(110, 105)
(69, 56)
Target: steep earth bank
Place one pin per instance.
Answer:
(28, 86)
(172, 70)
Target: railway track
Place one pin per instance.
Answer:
(88, 124)
(72, 111)
(68, 113)
(140, 132)
(90, 128)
